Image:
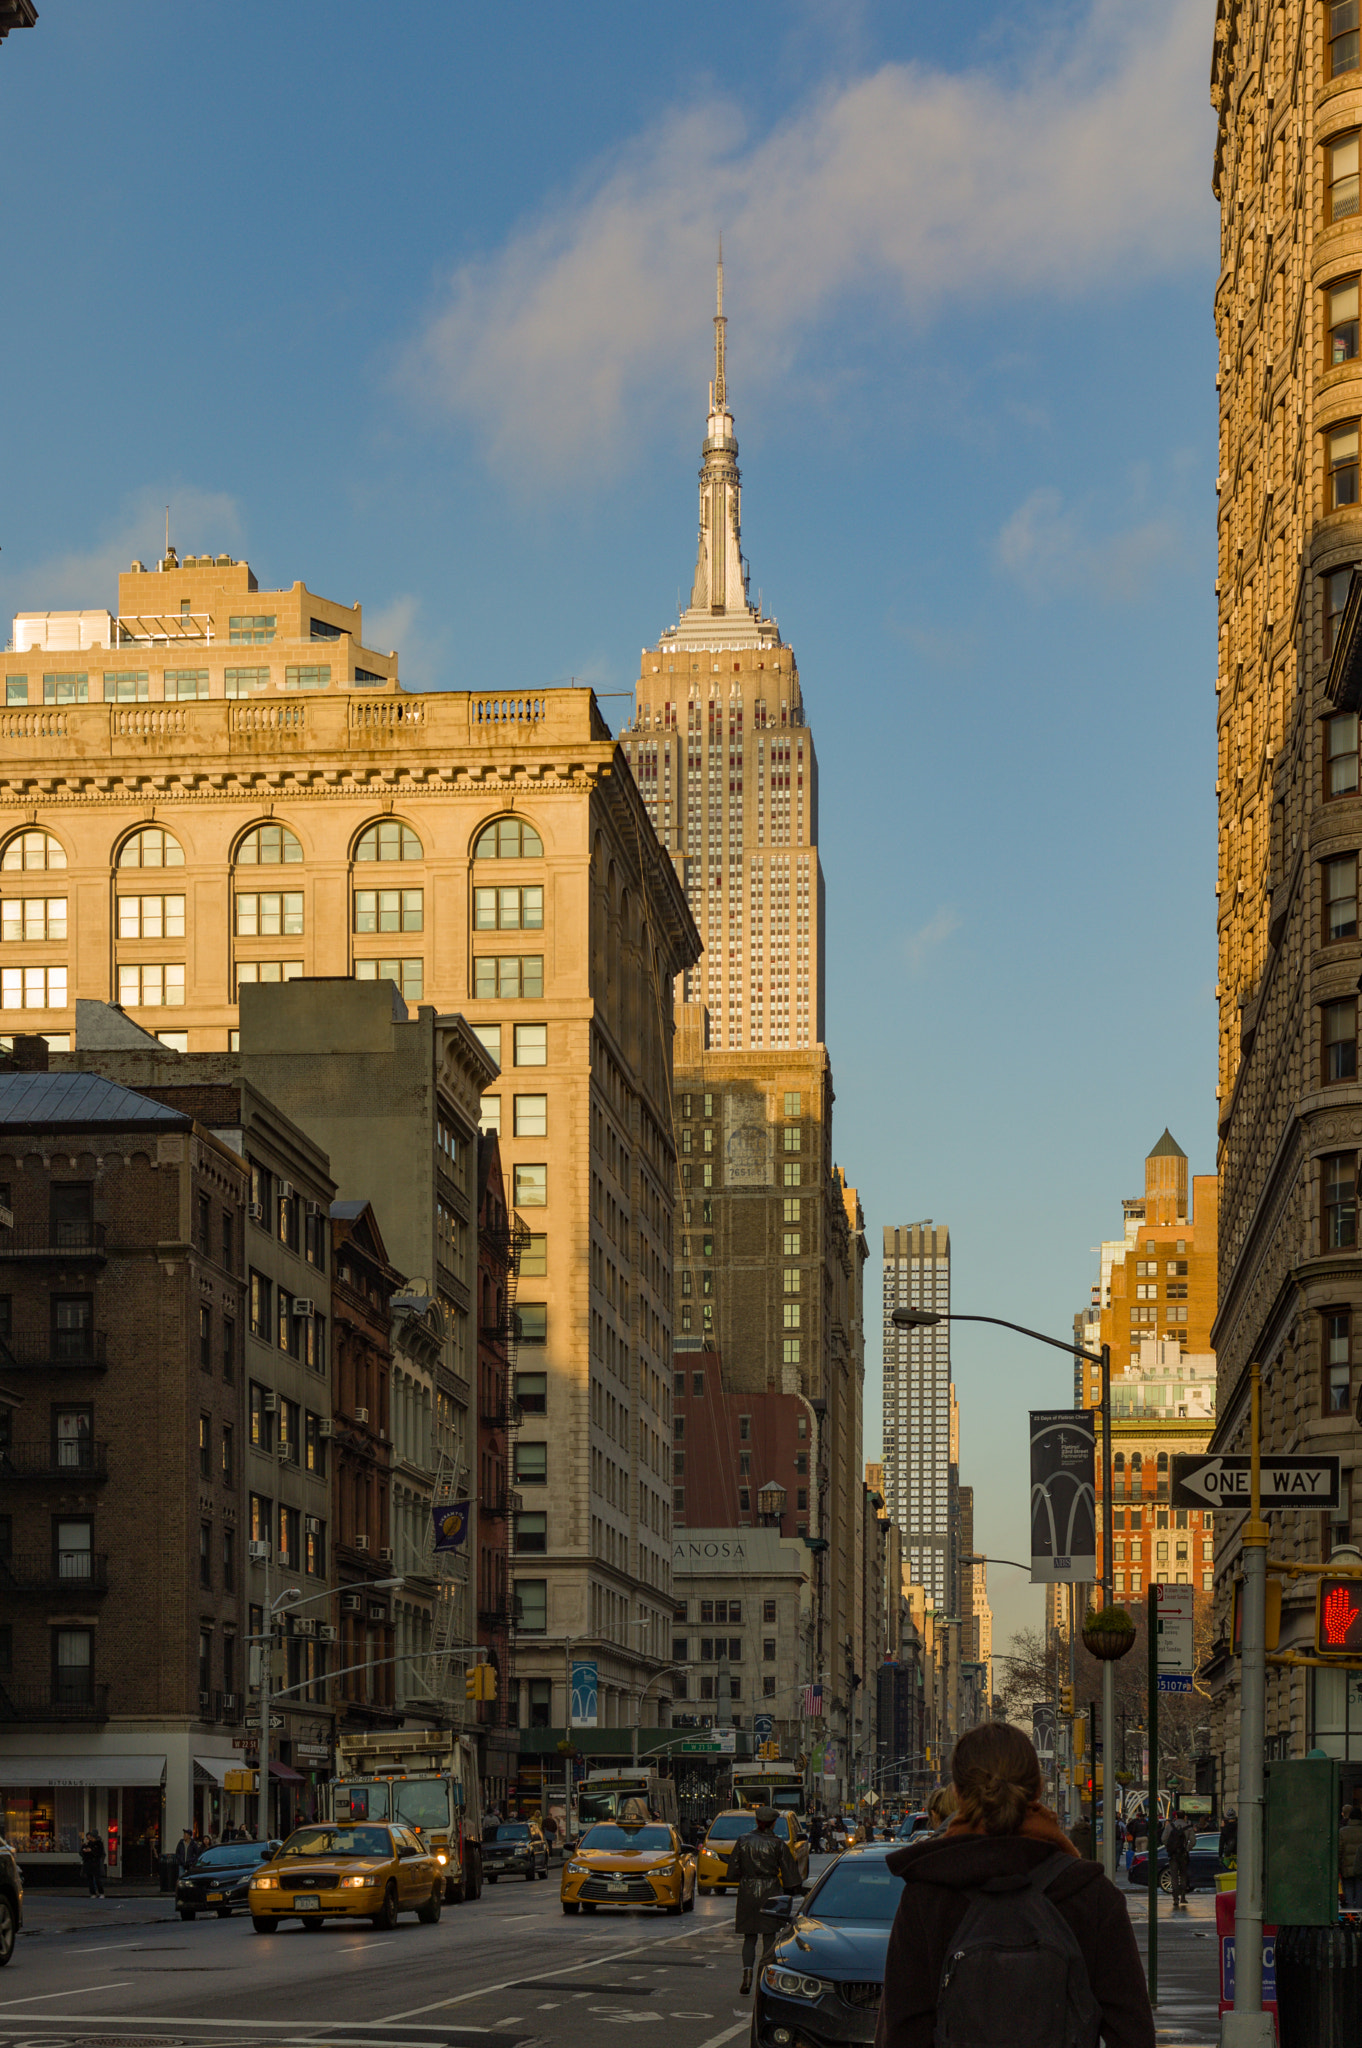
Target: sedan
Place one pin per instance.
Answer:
(629, 1863)
(822, 1982)
(1202, 1865)
(367, 1873)
(914, 1824)
(514, 1848)
(11, 1900)
(221, 1879)
(725, 1831)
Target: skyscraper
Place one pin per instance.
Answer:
(918, 1401)
(726, 765)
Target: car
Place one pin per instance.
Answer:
(722, 1836)
(914, 1824)
(221, 1879)
(629, 1863)
(11, 1900)
(324, 1872)
(514, 1848)
(1202, 1866)
(821, 1983)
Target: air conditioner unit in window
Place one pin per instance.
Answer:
(352, 1603)
(325, 1426)
(314, 1208)
(327, 1632)
(286, 1190)
(302, 1305)
(361, 1415)
(256, 1211)
(361, 1543)
(313, 1524)
(260, 1551)
(386, 1553)
(271, 1401)
(305, 1628)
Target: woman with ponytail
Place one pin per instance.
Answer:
(998, 1836)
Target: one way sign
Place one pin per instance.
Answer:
(1205, 1482)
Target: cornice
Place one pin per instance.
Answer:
(179, 786)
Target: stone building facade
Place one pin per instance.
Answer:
(1286, 84)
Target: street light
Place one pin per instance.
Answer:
(922, 1318)
(638, 1701)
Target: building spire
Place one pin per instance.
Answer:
(720, 329)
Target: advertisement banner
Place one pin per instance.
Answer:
(1063, 1495)
(584, 1692)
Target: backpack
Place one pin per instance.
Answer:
(1015, 1975)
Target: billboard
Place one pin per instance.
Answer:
(1063, 1495)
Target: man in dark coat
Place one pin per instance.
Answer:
(762, 1864)
(937, 1874)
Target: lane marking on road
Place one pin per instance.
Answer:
(84, 1992)
(393, 2019)
(105, 1948)
(729, 2034)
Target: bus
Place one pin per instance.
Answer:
(769, 1784)
(625, 1794)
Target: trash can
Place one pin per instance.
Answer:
(168, 1874)
(1319, 1986)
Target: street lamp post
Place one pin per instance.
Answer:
(918, 1318)
(638, 1701)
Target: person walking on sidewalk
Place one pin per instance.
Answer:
(762, 1864)
(1082, 1968)
(1350, 1857)
(1177, 1842)
(92, 1861)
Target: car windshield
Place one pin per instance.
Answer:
(729, 1826)
(509, 1831)
(422, 1802)
(857, 1888)
(338, 1842)
(630, 1840)
(232, 1854)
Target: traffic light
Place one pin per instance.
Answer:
(488, 1677)
(1272, 1615)
(1080, 1736)
(1338, 1617)
(471, 1683)
(1066, 1701)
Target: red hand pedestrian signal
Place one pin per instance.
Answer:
(1340, 1616)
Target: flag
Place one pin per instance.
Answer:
(451, 1524)
(813, 1702)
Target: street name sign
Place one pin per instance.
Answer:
(1227, 1481)
(1175, 1638)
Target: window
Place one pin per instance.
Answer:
(533, 1595)
(1341, 449)
(262, 1519)
(508, 839)
(228, 1586)
(1341, 29)
(534, 1257)
(151, 917)
(531, 1187)
(532, 1532)
(273, 916)
(308, 675)
(697, 1384)
(261, 1418)
(792, 1173)
(531, 1464)
(73, 1437)
(1340, 898)
(389, 910)
(1340, 161)
(205, 1556)
(128, 687)
(532, 1392)
(531, 1045)
(1339, 1040)
(314, 1444)
(792, 1209)
(152, 847)
(269, 846)
(791, 1315)
(508, 910)
(260, 1305)
(1337, 1362)
(793, 1137)
(16, 689)
(185, 684)
(206, 1339)
(251, 629)
(1341, 755)
(240, 682)
(33, 988)
(228, 1454)
(1335, 603)
(791, 1244)
(510, 976)
(144, 986)
(32, 852)
(257, 971)
(533, 1318)
(290, 1432)
(408, 975)
(389, 840)
(73, 1666)
(315, 1544)
(290, 1534)
(66, 689)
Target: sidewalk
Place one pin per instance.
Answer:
(1188, 2012)
(73, 1912)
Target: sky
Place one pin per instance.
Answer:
(414, 304)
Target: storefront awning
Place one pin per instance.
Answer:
(82, 1770)
(212, 1770)
(286, 1774)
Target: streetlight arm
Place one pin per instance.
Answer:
(908, 1319)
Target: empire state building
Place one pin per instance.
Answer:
(726, 765)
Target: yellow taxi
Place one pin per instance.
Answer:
(345, 1872)
(725, 1829)
(629, 1863)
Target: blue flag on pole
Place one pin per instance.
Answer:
(451, 1524)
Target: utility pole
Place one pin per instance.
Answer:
(266, 1674)
(1248, 2026)
(1108, 1667)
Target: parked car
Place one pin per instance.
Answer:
(1202, 1865)
(11, 1900)
(822, 1982)
(221, 1879)
(914, 1824)
(514, 1848)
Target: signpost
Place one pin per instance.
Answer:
(1175, 1655)
(1227, 1481)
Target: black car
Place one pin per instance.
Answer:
(221, 1879)
(11, 1900)
(514, 1848)
(821, 1984)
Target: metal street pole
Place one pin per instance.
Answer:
(1108, 1667)
(1248, 2026)
(1152, 1805)
(266, 1673)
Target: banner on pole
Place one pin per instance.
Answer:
(451, 1524)
(1063, 1495)
(584, 1692)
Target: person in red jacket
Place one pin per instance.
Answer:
(1000, 1828)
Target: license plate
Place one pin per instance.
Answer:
(307, 1902)
(215, 1898)
(617, 1887)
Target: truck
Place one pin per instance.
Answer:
(769, 1784)
(425, 1779)
(625, 1794)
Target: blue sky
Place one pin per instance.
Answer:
(413, 303)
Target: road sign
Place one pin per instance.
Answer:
(762, 1724)
(1175, 1638)
(1212, 1482)
(723, 1742)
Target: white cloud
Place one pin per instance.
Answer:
(1048, 547)
(919, 945)
(201, 522)
(1082, 170)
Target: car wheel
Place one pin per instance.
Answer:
(704, 1890)
(224, 1912)
(1165, 1882)
(531, 1874)
(679, 1907)
(473, 1883)
(386, 1917)
(430, 1912)
(7, 1929)
(490, 1878)
(688, 1903)
(571, 1906)
(314, 1924)
(587, 1907)
(187, 1912)
(264, 1923)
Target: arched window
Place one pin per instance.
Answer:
(1163, 1461)
(152, 847)
(508, 839)
(268, 846)
(390, 840)
(33, 850)
(1136, 1462)
(1119, 1461)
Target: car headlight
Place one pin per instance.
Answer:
(672, 1869)
(790, 1984)
(440, 1856)
(576, 1869)
(355, 1884)
(265, 1884)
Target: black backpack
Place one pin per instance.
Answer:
(1015, 1975)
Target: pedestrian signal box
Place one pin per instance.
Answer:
(1272, 1615)
(1338, 1618)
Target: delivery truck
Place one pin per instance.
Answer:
(424, 1779)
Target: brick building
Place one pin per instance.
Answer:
(363, 1282)
(729, 1444)
(124, 1582)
